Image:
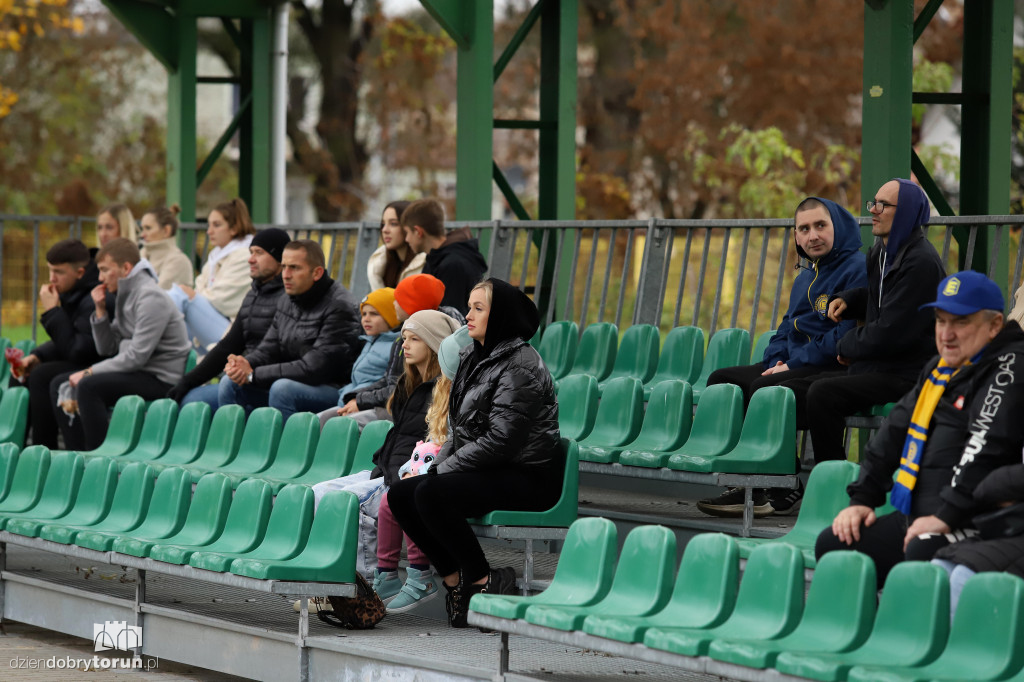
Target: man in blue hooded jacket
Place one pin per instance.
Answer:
(827, 236)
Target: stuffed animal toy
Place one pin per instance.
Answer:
(423, 456)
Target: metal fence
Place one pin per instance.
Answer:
(709, 273)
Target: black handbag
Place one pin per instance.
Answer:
(360, 612)
(1004, 522)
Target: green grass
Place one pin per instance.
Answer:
(24, 331)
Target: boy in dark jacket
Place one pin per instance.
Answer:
(67, 307)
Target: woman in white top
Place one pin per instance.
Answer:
(159, 226)
(394, 260)
(224, 281)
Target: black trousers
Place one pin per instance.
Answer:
(40, 409)
(96, 396)
(830, 397)
(749, 379)
(432, 510)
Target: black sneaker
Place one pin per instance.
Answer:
(450, 600)
(459, 614)
(786, 501)
(501, 581)
(730, 504)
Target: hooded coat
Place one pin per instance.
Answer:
(903, 274)
(806, 337)
(410, 416)
(68, 324)
(502, 410)
(459, 265)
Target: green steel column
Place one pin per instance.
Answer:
(986, 117)
(475, 114)
(255, 131)
(181, 122)
(888, 88)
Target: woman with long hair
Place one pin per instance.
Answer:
(114, 221)
(393, 261)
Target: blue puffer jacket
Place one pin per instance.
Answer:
(371, 363)
(806, 335)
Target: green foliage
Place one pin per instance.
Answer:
(930, 77)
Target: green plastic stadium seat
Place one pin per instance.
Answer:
(911, 627)
(207, 514)
(125, 428)
(334, 453)
(558, 347)
(95, 493)
(682, 357)
(757, 355)
(768, 606)
(583, 574)
(767, 443)
(727, 348)
(595, 354)
(59, 489)
(637, 355)
(299, 439)
(577, 406)
(703, 597)
(222, 443)
(838, 615)
(716, 427)
(8, 463)
(984, 640)
(287, 532)
(165, 516)
(619, 418)
(244, 528)
(191, 360)
(14, 415)
(824, 498)
(256, 452)
(5, 367)
(26, 346)
(127, 509)
(330, 554)
(29, 478)
(561, 515)
(370, 441)
(157, 428)
(642, 584)
(186, 442)
(666, 425)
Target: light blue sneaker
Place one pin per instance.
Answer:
(386, 584)
(419, 588)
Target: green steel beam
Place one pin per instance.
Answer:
(925, 17)
(222, 142)
(931, 188)
(557, 151)
(155, 28)
(510, 195)
(518, 38)
(255, 129)
(236, 9)
(181, 122)
(457, 18)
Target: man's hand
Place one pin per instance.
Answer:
(845, 362)
(925, 524)
(847, 523)
(77, 377)
(189, 291)
(48, 297)
(27, 363)
(99, 297)
(238, 369)
(348, 408)
(780, 366)
(836, 309)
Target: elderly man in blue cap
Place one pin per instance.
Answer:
(960, 422)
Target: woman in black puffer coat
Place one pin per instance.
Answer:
(503, 450)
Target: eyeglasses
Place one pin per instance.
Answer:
(882, 205)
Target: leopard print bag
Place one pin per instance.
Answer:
(360, 612)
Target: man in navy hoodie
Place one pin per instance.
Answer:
(827, 236)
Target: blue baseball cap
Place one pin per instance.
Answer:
(967, 292)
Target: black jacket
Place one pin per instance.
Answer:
(459, 266)
(975, 429)
(410, 417)
(245, 334)
(313, 339)
(896, 338)
(68, 324)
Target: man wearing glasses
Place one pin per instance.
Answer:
(884, 354)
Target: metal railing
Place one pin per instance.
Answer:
(709, 273)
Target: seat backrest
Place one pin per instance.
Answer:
(682, 355)
(247, 518)
(172, 495)
(225, 436)
(913, 613)
(134, 492)
(768, 439)
(29, 477)
(841, 601)
(637, 354)
(370, 440)
(558, 347)
(335, 450)
(826, 494)
(191, 360)
(190, 433)
(333, 537)
(708, 579)
(565, 510)
(717, 422)
(8, 464)
(586, 564)
(259, 442)
(62, 479)
(289, 524)
(763, 339)
(597, 349)
(620, 413)
(210, 503)
(646, 565)
(727, 348)
(772, 588)
(26, 346)
(14, 415)
(157, 427)
(669, 415)
(577, 405)
(125, 426)
(96, 491)
(988, 623)
(295, 450)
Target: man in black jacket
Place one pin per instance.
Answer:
(959, 423)
(251, 323)
(309, 349)
(884, 355)
(67, 307)
(453, 257)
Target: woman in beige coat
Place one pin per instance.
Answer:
(393, 261)
(159, 226)
(224, 281)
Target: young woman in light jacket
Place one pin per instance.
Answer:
(224, 281)
(393, 261)
(159, 226)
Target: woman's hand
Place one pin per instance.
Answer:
(189, 291)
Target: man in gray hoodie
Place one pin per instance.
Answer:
(147, 340)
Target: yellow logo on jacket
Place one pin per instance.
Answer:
(952, 286)
(821, 304)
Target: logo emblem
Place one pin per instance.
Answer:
(821, 304)
(116, 635)
(952, 287)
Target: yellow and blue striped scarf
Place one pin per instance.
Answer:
(917, 432)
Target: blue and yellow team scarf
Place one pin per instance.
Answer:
(917, 432)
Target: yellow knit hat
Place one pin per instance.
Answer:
(383, 301)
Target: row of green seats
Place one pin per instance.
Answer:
(763, 620)
(717, 438)
(163, 436)
(66, 500)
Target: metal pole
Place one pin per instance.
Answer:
(279, 113)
